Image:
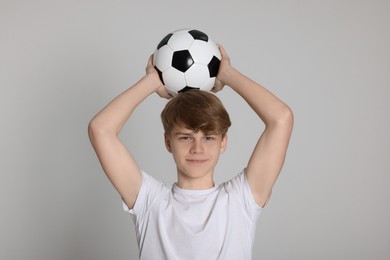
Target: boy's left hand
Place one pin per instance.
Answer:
(223, 66)
(151, 70)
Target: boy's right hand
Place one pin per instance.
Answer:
(152, 72)
(220, 81)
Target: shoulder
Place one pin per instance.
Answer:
(151, 185)
(151, 189)
(237, 183)
(239, 187)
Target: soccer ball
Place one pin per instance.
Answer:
(187, 59)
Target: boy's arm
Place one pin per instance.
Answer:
(104, 128)
(269, 153)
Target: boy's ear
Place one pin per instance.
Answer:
(167, 142)
(224, 144)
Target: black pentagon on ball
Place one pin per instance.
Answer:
(214, 66)
(198, 35)
(182, 60)
(164, 41)
(187, 88)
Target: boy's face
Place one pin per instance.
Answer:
(195, 153)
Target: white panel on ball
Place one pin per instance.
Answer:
(197, 75)
(174, 79)
(180, 42)
(214, 47)
(209, 84)
(201, 52)
(162, 59)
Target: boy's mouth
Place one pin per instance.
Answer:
(196, 160)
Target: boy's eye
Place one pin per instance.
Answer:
(185, 138)
(209, 138)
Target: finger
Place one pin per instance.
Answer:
(216, 89)
(224, 56)
(150, 61)
(218, 86)
(150, 66)
(166, 96)
(163, 93)
(222, 50)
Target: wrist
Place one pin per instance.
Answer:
(228, 75)
(153, 80)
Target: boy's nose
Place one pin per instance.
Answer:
(197, 147)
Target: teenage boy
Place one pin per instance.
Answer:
(194, 218)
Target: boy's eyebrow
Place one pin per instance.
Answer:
(182, 133)
(191, 133)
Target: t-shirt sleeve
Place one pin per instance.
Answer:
(150, 190)
(240, 187)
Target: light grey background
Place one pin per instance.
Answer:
(62, 61)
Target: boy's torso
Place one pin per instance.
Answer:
(173, 223)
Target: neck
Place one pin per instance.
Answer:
(199, 183)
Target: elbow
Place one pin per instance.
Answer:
(93, 129)
(97, 129)
(284, 117)
(287, 119)
(288, 116)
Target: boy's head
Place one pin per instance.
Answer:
(196, 110)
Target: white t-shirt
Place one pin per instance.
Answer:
(173, 223)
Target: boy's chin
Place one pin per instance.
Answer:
(195, 173)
